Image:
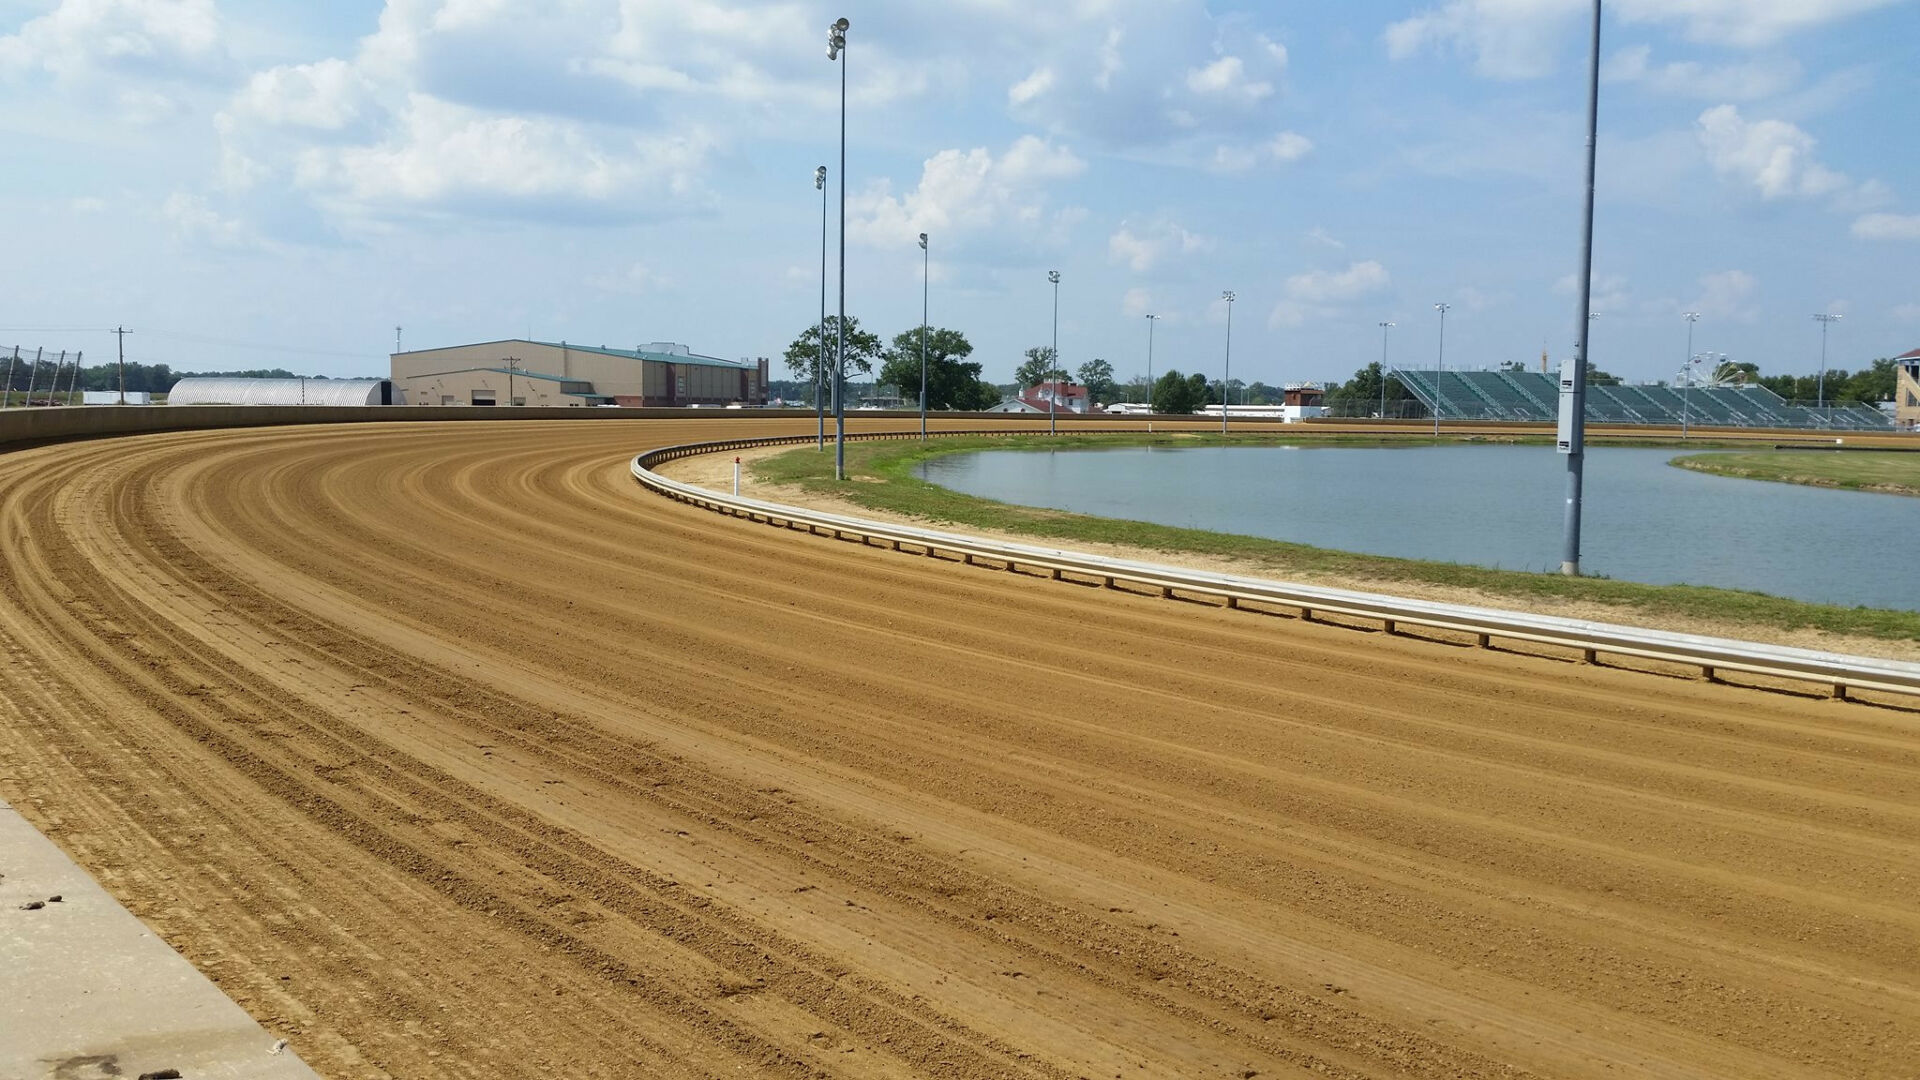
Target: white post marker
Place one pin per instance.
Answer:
(736, 477)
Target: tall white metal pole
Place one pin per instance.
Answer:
(1151, 319)
(1820, 386)
(1573, 404)
(1226, 374)
(1686, 370)
(820, 342)
(1053, 361)
(1440, 368)
(1384, 327)
(837, 38)
(926, 275)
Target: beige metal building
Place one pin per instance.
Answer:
(522, 372)
(1906, 390)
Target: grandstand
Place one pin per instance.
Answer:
(1532, 396)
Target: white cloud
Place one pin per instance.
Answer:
(194, 220)
(327, 96)
(1227, 78)
(1284, 148)
(1137, 303)
(1747, 81)
(1324, 238)
(964, 191)
(1030, 87)
(1318, 292)
(449, 154)
(1887, 227)
(1140, 250)
(1522, 39)
(1774, 156)
(81, 37)
(1727, 295)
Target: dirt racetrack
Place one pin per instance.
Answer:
(447, 751)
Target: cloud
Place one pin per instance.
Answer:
(963, 191)
(194, 220)
(1887, 227)
(1227, 78)
(329, 95)
(1030, 87)
(1137, 303)
(1283, 149)
(1607, 293)
(1773, 156)
(639, 279)
(1141, 250)
(1320, 292)
(114, 37)
(1727, 295)
(1746, 81)
(1522, 39)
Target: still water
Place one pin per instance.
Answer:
(1497, 506)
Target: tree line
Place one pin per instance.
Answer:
(148, 378)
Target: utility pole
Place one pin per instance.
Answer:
(1572, 438)
(511, 360)
(120, 332)
(926, 274)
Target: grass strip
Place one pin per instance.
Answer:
(880, 476)
(1889, 472)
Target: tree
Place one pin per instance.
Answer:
(1513, 365)
(1097, 376)
(1038, 367)
(803, 356)
(952, 383)
(1360, 395)
(1173, 393)
(1596, 377)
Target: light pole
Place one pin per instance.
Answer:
(1384, 327)
(1440, 367)
(1226, 375)
(1573, 397)
(1685, 369)
(1820, 387)
(1151, 319)
(820, 343)
(926, 273)
(1053, 361)
(836, 50)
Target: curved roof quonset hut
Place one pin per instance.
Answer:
(284, 392)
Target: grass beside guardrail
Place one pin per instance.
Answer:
(1888, 472)
(881, 478)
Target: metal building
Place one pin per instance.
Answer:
(223, 391)
(523, 372)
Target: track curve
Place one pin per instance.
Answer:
(446, 750)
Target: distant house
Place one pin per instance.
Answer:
(1013, 405)
(1056, 395)
(1906, 390)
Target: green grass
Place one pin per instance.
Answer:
(1893, 472)
(880, 477)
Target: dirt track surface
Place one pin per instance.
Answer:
(447, 751)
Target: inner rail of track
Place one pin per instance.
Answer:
(1837, 671)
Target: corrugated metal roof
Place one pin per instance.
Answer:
(657, 357)
(278, 392)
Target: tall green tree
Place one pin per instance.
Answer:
(952, 381)
(1363, 390)
(1097, 376)
(1037, 368)
(804, 355)
(1173, 393)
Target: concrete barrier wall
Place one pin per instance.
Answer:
(20, 426)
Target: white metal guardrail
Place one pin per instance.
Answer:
(1711, 655)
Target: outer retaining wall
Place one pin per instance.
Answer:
(50, 423)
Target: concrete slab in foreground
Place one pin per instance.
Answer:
(87, 991)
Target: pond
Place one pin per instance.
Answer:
(1493, 506)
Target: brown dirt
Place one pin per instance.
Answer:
(448, 752)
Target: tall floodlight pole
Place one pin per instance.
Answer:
(820, 343)
(1384, 328)
(1226, 374)
(1151, 319)
(926, 275)
(837, 50)
(1440, 367)
(1686, 369)
(1820, 386)
(1573, 394)
(1053, 361)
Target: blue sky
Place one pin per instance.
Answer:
(246, 183)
